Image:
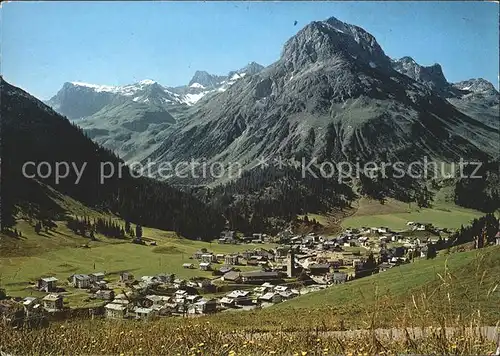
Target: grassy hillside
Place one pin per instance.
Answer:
(395, 214)
(60, 253)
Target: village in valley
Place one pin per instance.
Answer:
(261, 272)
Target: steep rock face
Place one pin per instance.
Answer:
(75, 101)
(476, 98)
(431, 76)
(320, 40)
(478, 86)
(480, 100)
(334, 79)
(206, 80)
(250, 69)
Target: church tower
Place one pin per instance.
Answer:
(290, 264)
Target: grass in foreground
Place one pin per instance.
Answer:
(453, 293)
(191, 337)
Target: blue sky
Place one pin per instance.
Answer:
(45, 44)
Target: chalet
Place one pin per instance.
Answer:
(246, 239)
(289, 294)
(204, 306)
(179, 283)
(227, 237)
(257, 237)
(145, 313)
(357, 263)
(193, 298)
(280, 288)
(384, 267)
(81, 281)
(148, 281)
(105, 294)
(225, 269)
(205, 283)
(252, 262)
(271, 297)
(192, 284)
(52, 302)
(208, 258)
(31, 305)
(126, 277)
(96, 277)
(250, 277)
(423, 251)
(319, 269)
(47, 284)
(205, 266)
(231, 260)
(220, 256)
(115, 311)
(339, 277)
(166, 278)
(151, 300)
(188, 265)
(197, 255)
(227, 234)
(281, 251)
(246, 254)
(261, 290)
(181, 292)
(240, 296)
(227, 302)
(232, 277)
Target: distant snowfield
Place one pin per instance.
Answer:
(137, 90)
(197, 85)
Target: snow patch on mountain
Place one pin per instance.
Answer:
(197, 85)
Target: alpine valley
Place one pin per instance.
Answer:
(332, 96)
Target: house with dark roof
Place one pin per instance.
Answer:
(80, 281)
(53, 302)
(232, 276)
(319, 269)
(339, 277)
(259, 276)
(47, 284)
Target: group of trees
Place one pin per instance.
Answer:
(86, 227)
(481, 231)
(480, 193)
(268, 199)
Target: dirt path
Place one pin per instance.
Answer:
(491, 333)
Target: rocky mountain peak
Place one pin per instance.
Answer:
(205, 79)
(431, 76)
(250, 69)
(476, 85)
(332, 38)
